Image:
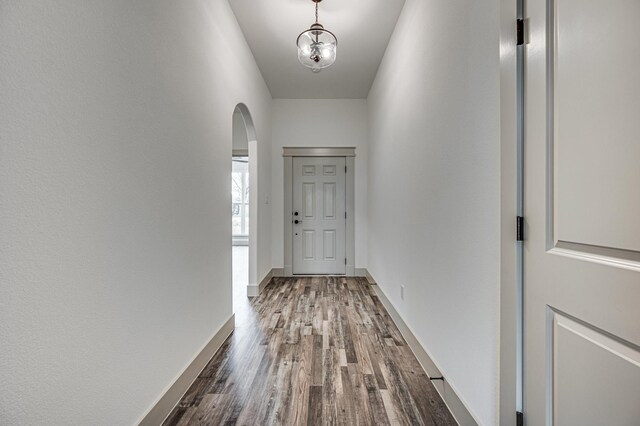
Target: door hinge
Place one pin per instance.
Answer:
(345, 215)
(345, 169)
(519, 418)
(519, 228)
(519, 32)
(345, 260)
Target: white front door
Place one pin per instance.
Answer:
(582, 213)
(319, 215)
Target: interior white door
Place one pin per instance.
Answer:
(319, 221)
(582, 213)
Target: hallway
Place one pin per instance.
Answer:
(477, 161)
(313, 350)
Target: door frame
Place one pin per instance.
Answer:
(510, 167)
(349, 154)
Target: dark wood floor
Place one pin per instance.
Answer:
(313, 351)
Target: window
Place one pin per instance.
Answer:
(240, 200)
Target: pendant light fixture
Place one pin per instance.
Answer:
(317, 46)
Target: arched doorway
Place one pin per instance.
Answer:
(244, 192)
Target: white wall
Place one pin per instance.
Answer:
(115, 225)
(434, 195)
(319, 123)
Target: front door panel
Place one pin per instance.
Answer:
(319, 201)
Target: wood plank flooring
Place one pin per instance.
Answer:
(313, 351)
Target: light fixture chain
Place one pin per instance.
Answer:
(316, 12)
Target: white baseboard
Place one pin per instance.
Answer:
(174, 393)
(255, 290)
(450, 397)
(287, 271)
(369, 277)
(278, 272)
(360, 272)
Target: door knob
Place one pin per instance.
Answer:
(296, 221)
(295, 213)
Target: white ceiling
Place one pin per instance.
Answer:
(363, 29)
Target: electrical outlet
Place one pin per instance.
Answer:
(402, 292)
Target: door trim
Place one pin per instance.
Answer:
(319, 152)
(350, 247)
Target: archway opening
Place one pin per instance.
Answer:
(244, 192)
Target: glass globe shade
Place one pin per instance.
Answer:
(317, 48)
